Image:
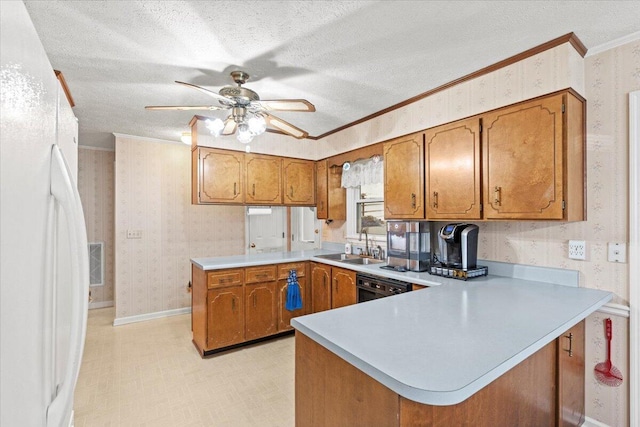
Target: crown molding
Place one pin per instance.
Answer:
(567, 38)
(614, 43)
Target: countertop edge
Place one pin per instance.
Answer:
(453, 397)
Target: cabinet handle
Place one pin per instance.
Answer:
(235, 191)
(570, 337)
(413, 200)
(498, 195)
(233, 304)
(292, 191)
(255, 297)
(435, 200)
(324, 281)
(254, 189)
(335, 279)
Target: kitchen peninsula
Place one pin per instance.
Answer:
(504, 349)
(494, 351)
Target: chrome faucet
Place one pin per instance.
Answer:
(379, 252)
(366, 236)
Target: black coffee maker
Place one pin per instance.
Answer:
(458, 244)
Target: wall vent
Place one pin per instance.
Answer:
(96, 264)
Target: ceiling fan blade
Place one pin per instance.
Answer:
(229, 126)
(300, 105)
(217, 96)
(185, 107)
(286, 127)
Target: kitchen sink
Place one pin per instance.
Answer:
(363, 261)
(339, 257)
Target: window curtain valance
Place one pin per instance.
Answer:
(362, 172)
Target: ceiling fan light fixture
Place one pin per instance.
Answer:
(215, 126)
(257, 124)
(186, 138)
(244, 133)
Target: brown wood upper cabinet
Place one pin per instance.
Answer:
(299, 182)
(264, 179)
(452, 159)
(217, 176)
(330, 196)
(231, 177)
(404, 177)
(533, 160)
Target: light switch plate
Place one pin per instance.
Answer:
(617, 252)
(134, 234)
(577, 249)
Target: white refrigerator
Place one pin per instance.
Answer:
(43, 244)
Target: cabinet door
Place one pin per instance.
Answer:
(404, 178)
(320, 287)
(225, 316)
(337, 195)
(523, 161)
(284, 315)
(452, 159)
(260, 304)
(322, 196)
(263, 179)
(571, 377)
(343, 287)
(219, 176)
(299, 182)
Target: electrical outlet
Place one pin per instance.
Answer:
(577, 249)
(617, 252)
(134, 234)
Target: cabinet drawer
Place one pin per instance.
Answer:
(220, 278)
(265, 273)
(283, 269)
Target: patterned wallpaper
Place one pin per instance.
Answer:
(605, 79)
(153, 195)
(96, 187)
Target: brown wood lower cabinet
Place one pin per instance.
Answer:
(225, 318)
(320, 287)
(331, 392)
(343, 287)
(571, 377)
(331, 287)
(260, 304)
(284, 315)
(234, 306)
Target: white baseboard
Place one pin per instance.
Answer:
(151, 316)
(100, 304)
(590, 422)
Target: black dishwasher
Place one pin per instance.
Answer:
(371, 287)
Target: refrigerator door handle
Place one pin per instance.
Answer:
(66, 194)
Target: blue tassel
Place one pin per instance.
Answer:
(294, 299)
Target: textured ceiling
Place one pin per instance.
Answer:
(349, 58)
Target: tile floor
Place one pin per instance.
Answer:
(149, 374)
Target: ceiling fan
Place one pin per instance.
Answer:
(249, 115)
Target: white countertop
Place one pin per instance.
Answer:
(237, 261)
(441, 345)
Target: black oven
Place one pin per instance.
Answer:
(373, 287)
